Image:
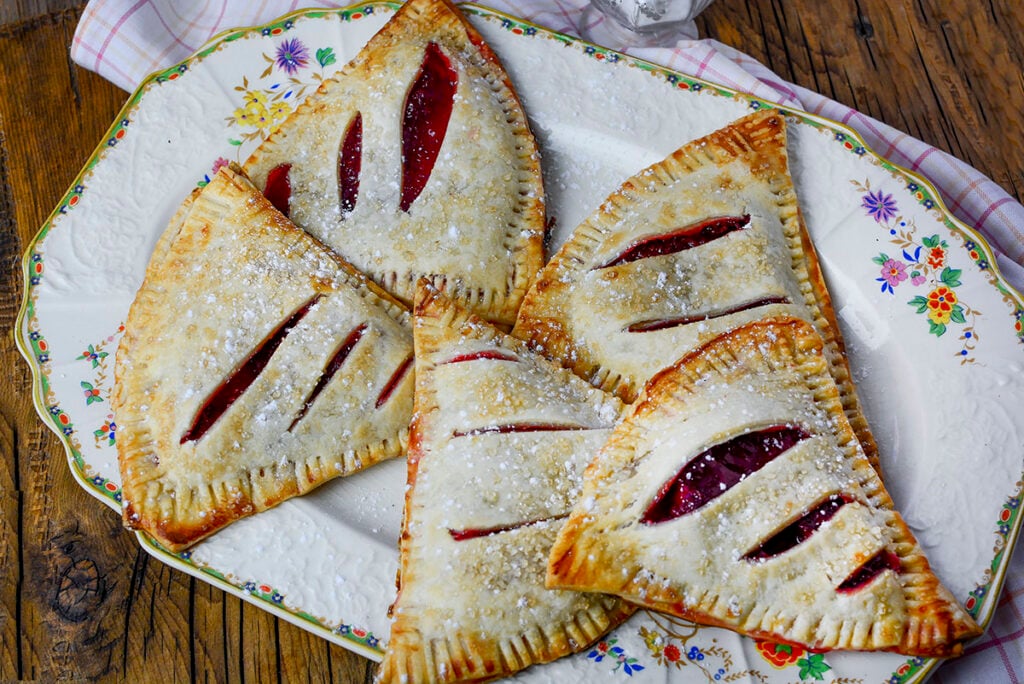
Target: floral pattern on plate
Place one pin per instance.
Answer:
(923, 262)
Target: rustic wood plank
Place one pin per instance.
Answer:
(209, 634)
(949, 73)
(259, 646)
(155, 624)
(14, 404)
(346, 666)
(10, 561)
(53, 112)
(228, 631)
(66, 563)
(19, 10)
(301, 654)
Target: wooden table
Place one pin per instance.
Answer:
(79, 599)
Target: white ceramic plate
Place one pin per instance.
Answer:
(940, 385)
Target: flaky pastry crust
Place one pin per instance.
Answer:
(704, 564)
(225, 276)
(476, 231)
(499, 442)
(581, 310)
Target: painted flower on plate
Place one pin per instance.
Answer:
(894, 272)
(92, 394)
(251, 115)
(941, 301)
(254, 98)
(93, 355)
(279, 111)
(108, 432)
(936, 257)
(291, 56)
(879, 206)
(780, 655)
(599, 651)
(937, 251)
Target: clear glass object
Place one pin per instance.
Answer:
(640, 23)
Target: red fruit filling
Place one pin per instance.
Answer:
(875, 566)
(279, 188)
(474, 533)
(243, 375)
(718, 469)
(679, 240)
(350, 159)
(517, 427)
(800, 530)
(663, 323)
(392, 382)
(428, 107)
(329, 371)
(486, 354)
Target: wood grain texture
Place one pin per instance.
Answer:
(17, 10)
(949, 73)
(79, 600)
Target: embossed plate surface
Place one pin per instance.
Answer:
(934, 334)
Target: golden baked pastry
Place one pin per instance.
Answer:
(735, 493)
(255, 365)
(699, 243)
(498, 445)
(416, 160)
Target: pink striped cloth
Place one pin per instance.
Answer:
(125, 40)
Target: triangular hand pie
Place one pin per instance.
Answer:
(735, 494)
(703, 241)
(416, 160)
(255, 365)
(497, 449)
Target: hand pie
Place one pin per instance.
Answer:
(708, 239)
(498, 445)
(416, 159)
(736, 494)
(255, 365)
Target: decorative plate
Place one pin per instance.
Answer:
(934, 333)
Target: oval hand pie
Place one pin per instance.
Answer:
(705, 240)
(416, 160)
(735, 493)
(255, 365)
(498, 446)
